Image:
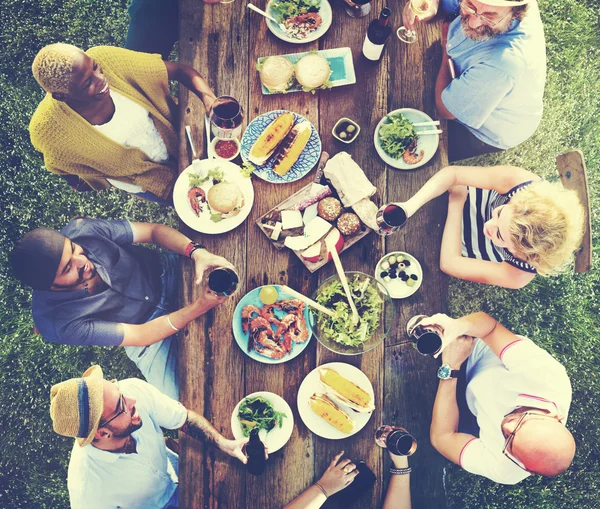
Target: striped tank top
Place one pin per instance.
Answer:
(478, 209)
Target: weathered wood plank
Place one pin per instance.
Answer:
(211, 365)
(290, 470)
(410, 379)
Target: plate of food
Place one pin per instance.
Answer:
(269, 413)
(397, 140)
(306, 72)
(213, 197)
(339, 333)
(335, 400)
(271, 326)
(400, 273)
(304, 20)
(281, 145)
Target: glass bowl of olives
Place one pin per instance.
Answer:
(345, 130)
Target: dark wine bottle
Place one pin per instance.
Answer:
(255, 451)
(377, 35)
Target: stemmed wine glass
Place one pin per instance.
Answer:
(226, 116)
(358, 8)
(422, 9)
(390, 218)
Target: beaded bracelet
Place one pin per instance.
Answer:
(400, 471)
(321, 488)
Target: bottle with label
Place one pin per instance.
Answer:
(377, 35)
(255, 450)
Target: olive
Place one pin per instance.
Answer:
(407, 263)
(350, 128)
(410, 282)
(385, 265)
(343, 135)
(414, 276)
(391, 260)
(383, 274)
(402, 273)
(393, 275)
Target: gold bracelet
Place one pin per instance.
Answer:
(171, 324)
(321, 488)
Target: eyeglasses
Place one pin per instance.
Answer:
(511, 437)
(121, 410)
(484, 19)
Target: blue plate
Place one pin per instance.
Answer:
(340, 63)
(306, 162)
(242, 339)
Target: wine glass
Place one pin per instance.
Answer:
(358, 8)
(390, 218)
(422, 9)
(226, 116)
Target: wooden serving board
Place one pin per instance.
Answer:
(274, 215)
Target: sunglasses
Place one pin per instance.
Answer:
(510, 439)
(484, 19)
(122, 408)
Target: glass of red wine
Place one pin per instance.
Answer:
(358, 8)
(390, 218)
(226, 117)
(223, 281)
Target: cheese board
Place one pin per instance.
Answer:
(298, 224)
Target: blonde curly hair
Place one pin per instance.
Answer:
(53, 66)
(547, 226)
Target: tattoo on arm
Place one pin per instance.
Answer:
(199, 428)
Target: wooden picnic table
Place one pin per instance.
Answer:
(223, 43)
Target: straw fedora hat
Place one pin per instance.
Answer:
(76, 405)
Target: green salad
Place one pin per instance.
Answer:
(285, 9)
(396, 135)
(259, 413)
(340, 328)
(215, 174)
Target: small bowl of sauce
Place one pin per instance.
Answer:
(345, 130)
(225, 148)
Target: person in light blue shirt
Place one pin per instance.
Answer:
(119, 458)
(491, 81)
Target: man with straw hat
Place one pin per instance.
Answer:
(119, 458)
(93, 286)
(491, 80)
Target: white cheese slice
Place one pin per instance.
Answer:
(310, 213)
(276, 231)
(291, 219)
(298, 243)
(317, 228)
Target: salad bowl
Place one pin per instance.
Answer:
(324, 10)
(375, 308)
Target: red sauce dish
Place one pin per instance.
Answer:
(226, 149)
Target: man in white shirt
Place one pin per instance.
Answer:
(519, 394)
(120, 458)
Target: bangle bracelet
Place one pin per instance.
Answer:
(400, 471)
(171, 324)
(321, 488)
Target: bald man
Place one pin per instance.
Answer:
(517, 397)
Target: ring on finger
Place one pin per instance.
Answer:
(349, 468)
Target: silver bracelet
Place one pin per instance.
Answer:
(400, 471)
(171, 324)
(321, 488)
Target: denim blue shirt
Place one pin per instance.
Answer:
(132, 274)
(499, 85)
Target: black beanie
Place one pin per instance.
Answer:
(35, 258)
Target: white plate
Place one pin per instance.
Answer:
(324, 12)
(312, 384)
(203, 223)
(399, 289)
(429, 142)
(277, 437)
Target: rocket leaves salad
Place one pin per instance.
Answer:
(259, 413)
(396, 135)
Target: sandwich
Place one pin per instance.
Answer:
(312, 72)
(270, 138)
(276, 74)
(291, 147)
(339, 388)
(225, 200)
(321, 405)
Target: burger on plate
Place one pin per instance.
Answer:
(225, 200)
(276, 74)
(312, 72)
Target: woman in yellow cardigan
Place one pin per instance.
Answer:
(108, 118)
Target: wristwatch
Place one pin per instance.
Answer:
(191, 247)
(446, 372)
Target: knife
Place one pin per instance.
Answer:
(321, 166)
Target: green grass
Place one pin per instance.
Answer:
(560, 314)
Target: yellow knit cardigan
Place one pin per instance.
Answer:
(72, 146)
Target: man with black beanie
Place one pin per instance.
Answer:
(93, 286)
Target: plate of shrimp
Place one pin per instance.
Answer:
(271, 333)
